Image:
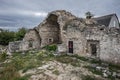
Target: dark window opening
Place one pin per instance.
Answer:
(93, 49)
(30, 43)
(101, 29)
(50, 40)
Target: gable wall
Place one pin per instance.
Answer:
(114, 21)
(33, 36)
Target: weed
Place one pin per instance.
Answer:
(23, 77)
(9, 72)
(28, 67)
(52, 47)
(93, 70)
(114, 67)
(88, 77)
(56, 72)
(3, 56)
(80, 57)
(95, 61)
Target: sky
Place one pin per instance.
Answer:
(15, 14)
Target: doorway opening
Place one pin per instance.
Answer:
(93, 49)
(70, 46)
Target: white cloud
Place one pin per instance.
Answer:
(41, 14)
(33, 13)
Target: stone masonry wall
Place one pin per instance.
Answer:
(109, 41)
(34, 37)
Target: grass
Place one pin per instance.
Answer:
(68, 60)
(79, 57)
(93, 70)
(56, 72)
(31, 60)
(9, 72)
(23, 62)
(3, 56)
(51, 47)
(114, 67)
(22, 78)
(87, 77)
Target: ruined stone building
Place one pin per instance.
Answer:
(99, 37)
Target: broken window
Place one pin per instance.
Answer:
(93, 47)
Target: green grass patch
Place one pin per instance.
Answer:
(22, 78)
(93, 70)
(95, 61)
(51, 47)
(68, 60)
(3, 56)
(56, 72)
(80, 57)
(114, 67)
(88, 77)
(9, 73)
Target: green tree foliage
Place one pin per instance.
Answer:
(88, 15)
(20, 34)
(7, 36)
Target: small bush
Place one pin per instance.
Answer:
(52, 47)
(3, 56)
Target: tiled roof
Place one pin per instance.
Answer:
(104, 20)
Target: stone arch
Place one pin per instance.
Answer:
(50, 31)
(53, 20)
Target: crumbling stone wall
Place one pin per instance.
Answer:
(49, 30)
(18, 46)
(73, 33)
(60, 27)
(34, 39)
(108, 40)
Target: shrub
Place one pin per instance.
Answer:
(3, 56)
(52, 47)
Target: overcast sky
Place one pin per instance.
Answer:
(29, 13)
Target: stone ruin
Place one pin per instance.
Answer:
(93, 37)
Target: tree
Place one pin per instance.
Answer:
(6, 37)
(88, 15)
(20, 34)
